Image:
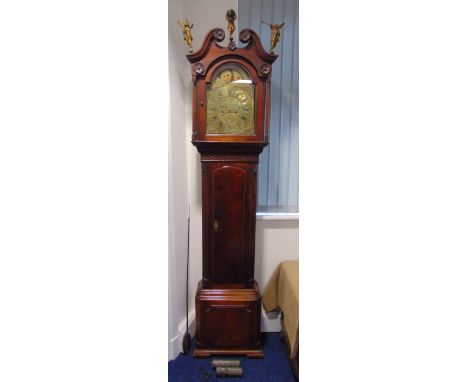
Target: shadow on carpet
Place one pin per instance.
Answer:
(274, 367)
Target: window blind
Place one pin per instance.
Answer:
(278, 176)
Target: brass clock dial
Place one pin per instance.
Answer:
(230, 102)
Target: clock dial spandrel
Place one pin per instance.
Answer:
(230, 102)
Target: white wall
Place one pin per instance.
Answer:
(178, 195)
(276, 240)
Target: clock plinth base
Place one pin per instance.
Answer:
(228, 322)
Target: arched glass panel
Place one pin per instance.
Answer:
(231, 102)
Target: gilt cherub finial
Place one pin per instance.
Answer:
(231, 18)
(187, 31)
(275, 34)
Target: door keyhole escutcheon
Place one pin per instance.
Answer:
(215, 226)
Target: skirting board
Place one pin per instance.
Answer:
(271, 322)
(175, 344)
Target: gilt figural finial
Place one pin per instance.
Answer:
(187, 32)
(275, 34)
(231, 18)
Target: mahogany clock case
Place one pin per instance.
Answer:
(230, 130)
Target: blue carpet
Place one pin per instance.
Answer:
(274, 367)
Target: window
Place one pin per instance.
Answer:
(278, 176)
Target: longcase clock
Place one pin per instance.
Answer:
(231, 97)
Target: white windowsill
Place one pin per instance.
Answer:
(277, 216)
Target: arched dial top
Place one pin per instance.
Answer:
(230, 101)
